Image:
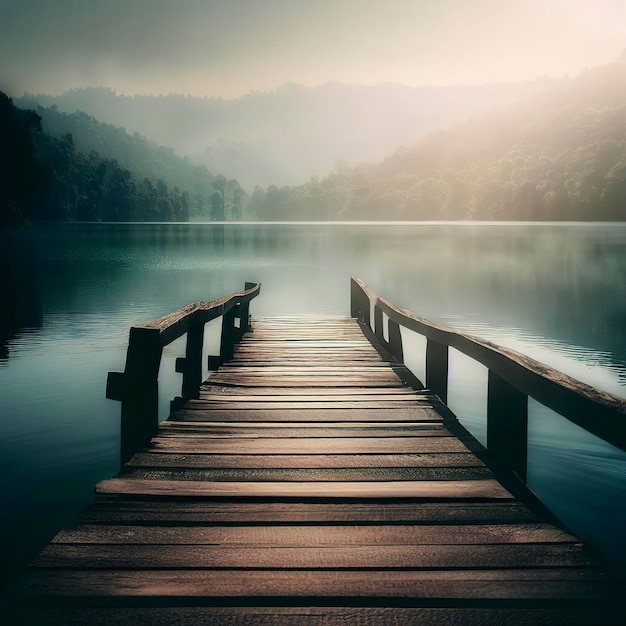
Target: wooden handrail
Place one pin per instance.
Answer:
(137, 387)
(174, 325)
(513, 378)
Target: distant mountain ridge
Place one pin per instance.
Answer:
(295, 132)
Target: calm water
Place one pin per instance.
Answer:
(556, 292)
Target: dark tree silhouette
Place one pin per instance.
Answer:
(20, 175)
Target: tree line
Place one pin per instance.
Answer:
(57, 166)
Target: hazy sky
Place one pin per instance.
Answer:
(230, 47)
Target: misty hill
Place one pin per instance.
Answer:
(294, 132)
(43, 177)
(59, 166)
(561, 155)
(144, 158)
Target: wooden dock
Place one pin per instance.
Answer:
(309, 483)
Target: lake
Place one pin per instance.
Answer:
(71, 291)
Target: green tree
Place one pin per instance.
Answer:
(217, 206)
(238, 196)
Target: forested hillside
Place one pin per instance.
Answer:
(559, 156)
(287, 135)
(20, 173)
(71, 167)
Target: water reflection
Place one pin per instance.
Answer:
(582, 477)
(21, 311)
(467, 393)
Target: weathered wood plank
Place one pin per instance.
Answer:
(302, 557)
(319, 616)
(285, 354)
(310, 356)
(309, 344)
(334, 445)
(251, 369)
(314, 404)
(462, 490)
(225, 413)
(315, 376)
(424, 430)
(270, 381)
(112, 509)
(304, 347)
(218, 391)
(329, 334)
(523, 587)
(318, 536)
(304, 428)
(376, 368)
(295, 461)
(344, 474)
(316, 395)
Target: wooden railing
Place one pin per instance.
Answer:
(138, 388)
(512, 379)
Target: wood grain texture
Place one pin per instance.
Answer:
(224, 412)
(572, 586)
(114, 509)
(313, 536)
(319, 616)
(341, 474)
(305, 445)
(462, 489)
(298, 461)
(303, 428)
(320, 403)
(384, 557)
(296, 432)
(364, 395)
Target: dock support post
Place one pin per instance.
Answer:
(507, 425)
(437, 369)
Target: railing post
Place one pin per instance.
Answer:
(359, 304)
(378, 324)
(395, 341)
(244, 314)
(229, 334)
(437, 369)
(191, 365)
(507, 425)
(394, 344)
(140, 398)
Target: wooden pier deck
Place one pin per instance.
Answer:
(309, 484)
